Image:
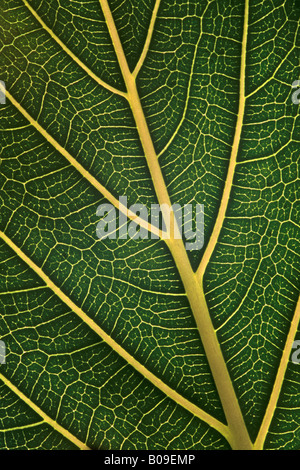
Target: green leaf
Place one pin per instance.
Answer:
(141, 343)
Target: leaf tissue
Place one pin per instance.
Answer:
(139, 342)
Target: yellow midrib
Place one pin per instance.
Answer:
(238, 435)
(147, 374)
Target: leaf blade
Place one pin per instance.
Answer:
(67, 245)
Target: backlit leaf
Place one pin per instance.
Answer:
(142, 343)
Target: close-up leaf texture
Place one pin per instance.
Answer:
(138, 343)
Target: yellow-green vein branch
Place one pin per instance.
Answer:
(84, 173)
(148, 39)
(188, 92)
(233, 157)
(64, 432)
(195, 410)
(73, 56)
(258, 445)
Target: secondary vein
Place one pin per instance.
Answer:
(233, 156)
(258, 445)
(148, 39)
(175, 396)
(73, 56)
(107, 194)
(43, 415)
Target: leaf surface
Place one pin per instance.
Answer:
(140, 344)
